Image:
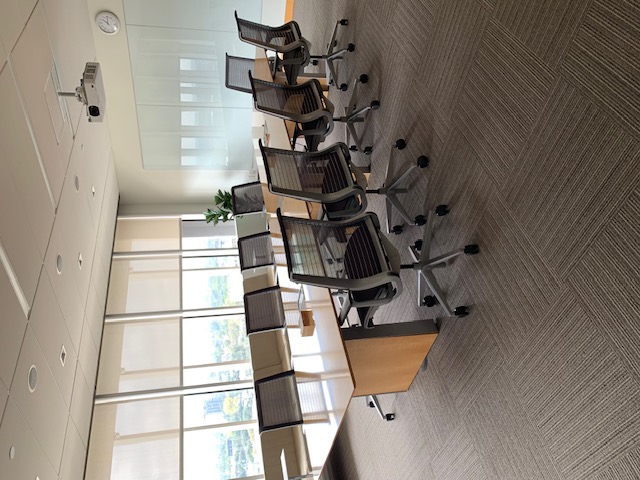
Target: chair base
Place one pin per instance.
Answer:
(424, 266)
(354, 114)
(373, 402)
(332, 56)
(392, 201)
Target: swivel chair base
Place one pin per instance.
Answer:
(390, 193)
(333, 55)
(373, 402)
(354, 114)
(424, 266)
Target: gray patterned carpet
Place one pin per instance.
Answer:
(530, 113)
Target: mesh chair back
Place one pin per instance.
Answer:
(285, 40)
(326, 176)
(303, 104)
(255, 250)
(277, 401)
(236, 76)
(263, 310)
(247, 198)
(347, 254)
(288, 101)
(307, 174)
(270, 38)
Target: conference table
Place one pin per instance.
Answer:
(340, 363)
(333, 364)
(320, 362)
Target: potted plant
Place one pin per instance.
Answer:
(223, 208)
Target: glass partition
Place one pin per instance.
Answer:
(186, 117)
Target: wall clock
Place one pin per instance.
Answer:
(108, 22)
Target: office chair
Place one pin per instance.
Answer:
(247, 198)
(353, 257)
(302, 104)
(328, 177)
(278, 402)
(255, 251)
(306, 106)
(264, 310)
(236, 77)
(291, 48)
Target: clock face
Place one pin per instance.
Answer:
(108, 22)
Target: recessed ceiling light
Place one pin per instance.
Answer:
(59, 264)
(12, 452)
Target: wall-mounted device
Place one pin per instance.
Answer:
(90, 92)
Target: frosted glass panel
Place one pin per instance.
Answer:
(187, 118)
(196, 14)
(207, 138)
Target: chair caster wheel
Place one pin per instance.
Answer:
(461, 311)
(314, 63)
(375, 105)
(353, 148)
(429, 301)
(368, 150)
(351, 47)
(364, 78)
(371, 405)
(397, 229)
(344, 87)
(344, 21)
(418, 245)
(389, 417)
(442, 210)
(471, 249)
(400, 144)
(420, 220)
(423, 161)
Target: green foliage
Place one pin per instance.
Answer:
(230, 407)
(223, 208)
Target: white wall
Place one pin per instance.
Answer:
(58, 202)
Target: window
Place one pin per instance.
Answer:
(174, 396)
